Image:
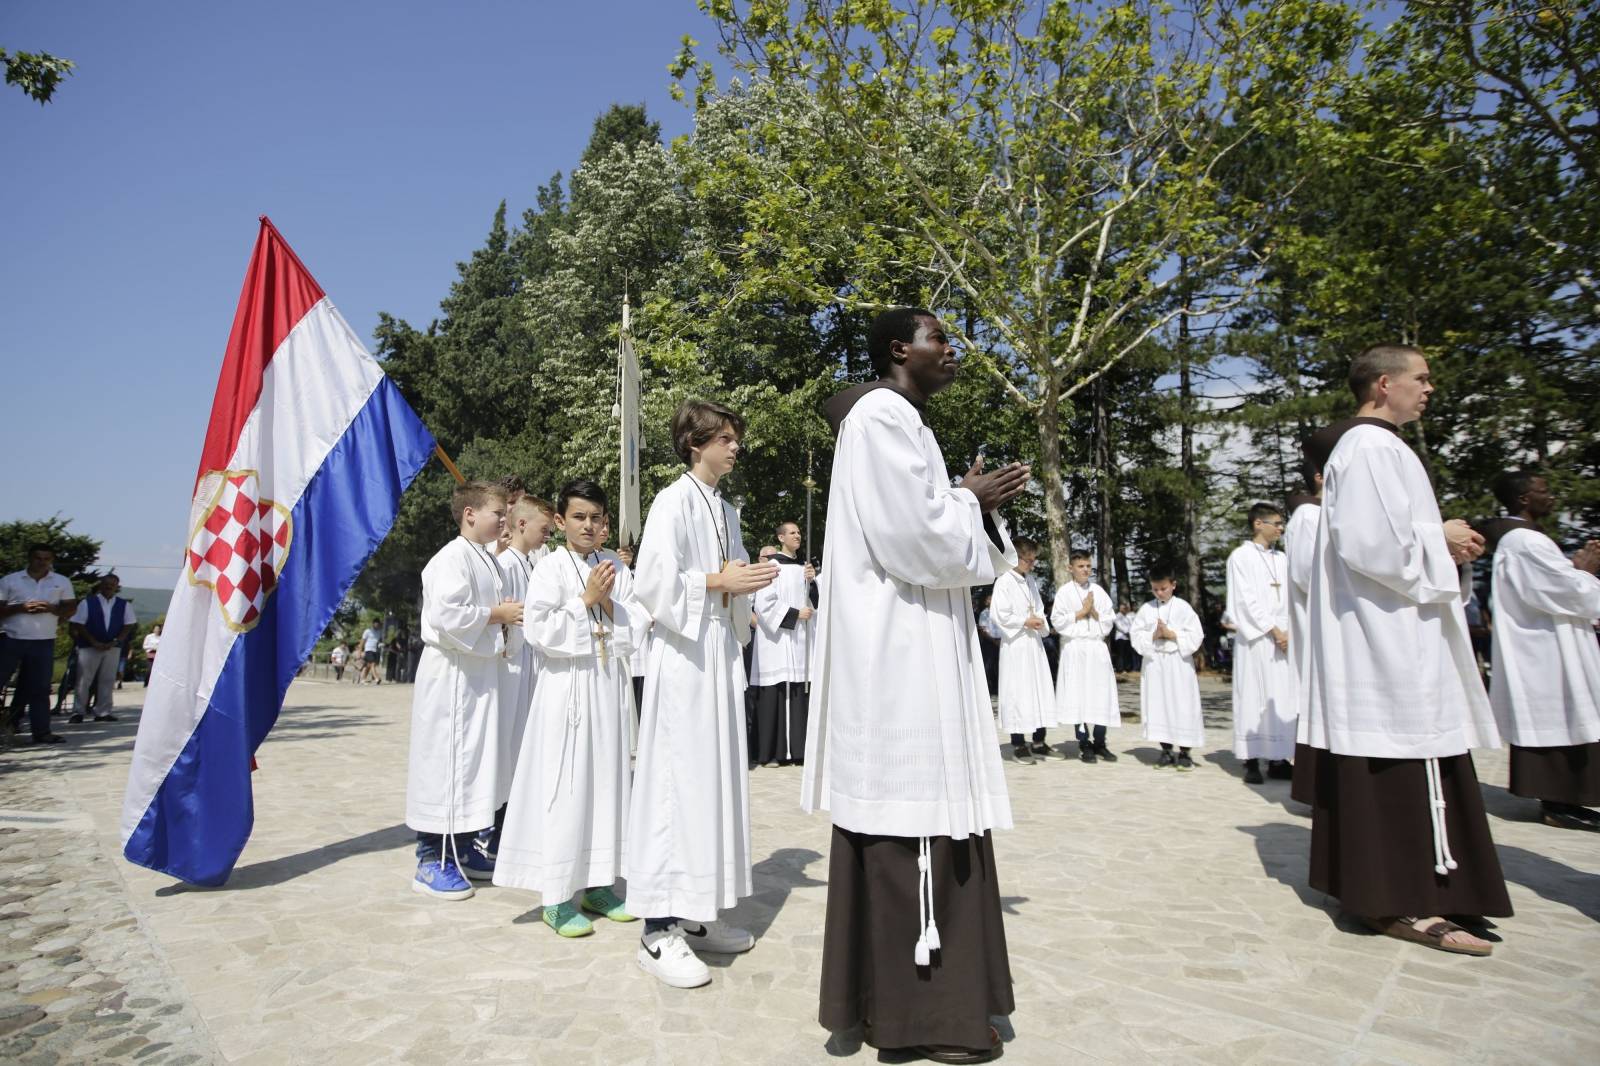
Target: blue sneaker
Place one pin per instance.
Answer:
(441, 881)
(487, 842)
(476, 865)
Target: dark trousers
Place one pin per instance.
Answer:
(1018, 740)
(431, 847)
(1084, 742)
(781, 712)
(32, 661)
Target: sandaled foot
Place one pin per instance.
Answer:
(1435, 932)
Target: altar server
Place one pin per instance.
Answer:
(688, 852)
(452, 787)
(1264, 713)
(1546, 691)
(1166, 634)
(567, 823)
(780, 666)
(1086, 683)
(1027, 702)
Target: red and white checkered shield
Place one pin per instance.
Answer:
(239, 544)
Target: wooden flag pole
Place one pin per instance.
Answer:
(438, 450)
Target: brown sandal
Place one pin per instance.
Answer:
(1431, 937)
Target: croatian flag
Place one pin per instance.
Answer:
(309, 448)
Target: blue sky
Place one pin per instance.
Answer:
(379, 137)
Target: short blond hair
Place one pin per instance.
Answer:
(476, 495)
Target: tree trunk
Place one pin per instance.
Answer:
(1048, 471)
(1102, 480)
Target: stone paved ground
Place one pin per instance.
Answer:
(1152, 917)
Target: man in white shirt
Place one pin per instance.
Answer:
(371, 641)
(99, 626)
(33, 601)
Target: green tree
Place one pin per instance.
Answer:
(1033, 170)
(35, 73)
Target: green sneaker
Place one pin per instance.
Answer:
(566, 920)
(604, 902)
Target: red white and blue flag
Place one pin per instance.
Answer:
(308, 451)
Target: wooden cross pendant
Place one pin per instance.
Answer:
(725, 595)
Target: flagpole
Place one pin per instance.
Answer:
(438, 449)
(811, 484)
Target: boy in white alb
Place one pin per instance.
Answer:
(452, 787)
(1264, 701)
(1086, 684)
(568, 817)
(528, 521)
(1166, 634)
(1026, 700)
(688, 850)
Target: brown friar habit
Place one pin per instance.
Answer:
(877, 969)
(869, 975)
(1372, 832)
(1372, 838)
(1566, 774)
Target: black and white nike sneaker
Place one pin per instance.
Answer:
(665, 956)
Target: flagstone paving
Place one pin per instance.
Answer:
(1152, 917)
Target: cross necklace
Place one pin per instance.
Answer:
(496, 579)
(595, 613)
(1272, 569)
(718, 528)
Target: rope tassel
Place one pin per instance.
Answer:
(927, 928)
(1443, 861)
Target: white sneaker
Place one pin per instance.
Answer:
(719, 938)
(665, 956)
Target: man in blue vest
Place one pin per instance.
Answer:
(100, 625)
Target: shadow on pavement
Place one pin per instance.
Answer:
(277, 871)
(1285, 854)
(1555, 881)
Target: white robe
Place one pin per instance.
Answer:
(452, 785)
(1546, 691)
(1169, 692)
(1264, 702)
(1391, 672)
(568, 820)
(780, 654)
(1300, 545)
(1026, 699)
(901, 738)
(688, 852)
(517, 669)
(1086, 685)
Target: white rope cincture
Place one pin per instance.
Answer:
(928, 929)
(1443, 861)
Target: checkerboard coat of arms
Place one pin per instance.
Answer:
(239, 544)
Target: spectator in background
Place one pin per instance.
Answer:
(371, 641)
(989, 637)
(1123, 658)
(152, 641)
(100, 626)
(336, 659)
(33, 601)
